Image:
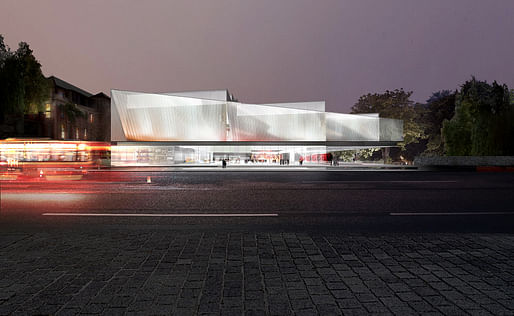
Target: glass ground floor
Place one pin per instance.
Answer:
(144, 154)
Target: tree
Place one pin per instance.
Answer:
(344, 155)
(71, 112)
(35, 84)
(366, 153)
(396, 104)
(483, 123)
(11, 89)
(439, 107)
(3, 50)
(350, 154)
(23, 88)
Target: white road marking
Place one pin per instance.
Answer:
(449, 213)
(386, 181)
(165, 214)
(41, 197)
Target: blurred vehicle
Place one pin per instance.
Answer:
(51, 159)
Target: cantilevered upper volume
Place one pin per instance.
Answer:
(213, 117)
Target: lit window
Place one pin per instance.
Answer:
(63, 132)
(90, 118)
(77, 133)
(48, 110)
(85, 133)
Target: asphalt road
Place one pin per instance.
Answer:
(259, 243)
(387, 201)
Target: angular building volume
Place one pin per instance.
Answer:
(206, 127)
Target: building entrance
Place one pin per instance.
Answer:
(258, 155)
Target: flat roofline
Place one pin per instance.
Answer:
(276, 105)
(259, 143)
(188, 91)
(171, 95)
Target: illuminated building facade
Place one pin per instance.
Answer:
(205, 127)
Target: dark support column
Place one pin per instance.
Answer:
(385, 155)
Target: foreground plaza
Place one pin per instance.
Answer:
(208, 273)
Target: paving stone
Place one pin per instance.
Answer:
(163, 272)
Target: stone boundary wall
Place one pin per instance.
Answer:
(465, 161)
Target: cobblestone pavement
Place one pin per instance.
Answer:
(208, 273)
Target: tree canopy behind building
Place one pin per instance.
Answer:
(23, 87)
(439, 107)
(397, 105)
(483, 124)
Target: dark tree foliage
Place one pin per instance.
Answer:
(439, 107)
(23, 88)
(34, 82)
(483, 124)
(398, 105)
(71, 112)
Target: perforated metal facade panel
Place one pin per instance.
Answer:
(163, 117)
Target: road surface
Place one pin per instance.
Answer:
(256, 242)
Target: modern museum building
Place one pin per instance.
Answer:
(206, 127)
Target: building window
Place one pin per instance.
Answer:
(63, 132)
(85, 133)
(48, 110)
(91, 119)
(77, 133)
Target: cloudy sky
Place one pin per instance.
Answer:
(268, 50)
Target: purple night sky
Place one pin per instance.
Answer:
(268, 50)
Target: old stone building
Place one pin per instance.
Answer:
(74, 114)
